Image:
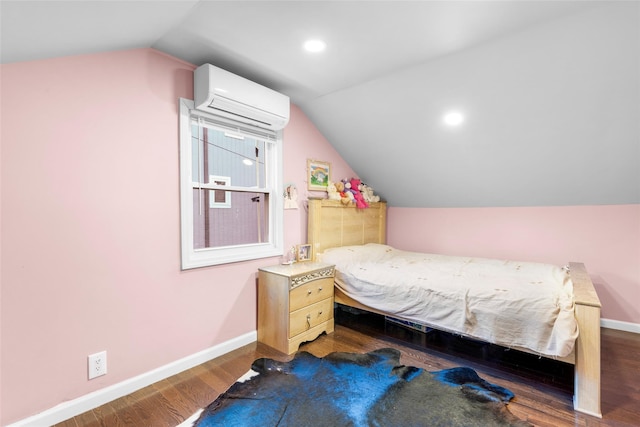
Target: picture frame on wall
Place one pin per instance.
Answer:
(304, 253)
(318, 175)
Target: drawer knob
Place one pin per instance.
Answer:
(309, 292)
(320, 289)
(308, 321)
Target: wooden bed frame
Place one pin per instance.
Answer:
(332, 224)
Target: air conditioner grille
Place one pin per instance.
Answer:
(213, 107)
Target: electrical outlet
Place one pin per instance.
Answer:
(97, 364)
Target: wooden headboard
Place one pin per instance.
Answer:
(333, 224)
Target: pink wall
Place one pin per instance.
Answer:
(91, 229)
(303, 141)
(605, 238)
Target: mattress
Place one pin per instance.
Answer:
(510, 303)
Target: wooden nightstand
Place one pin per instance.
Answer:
(295, 304)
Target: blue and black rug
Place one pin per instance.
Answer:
(358, 390)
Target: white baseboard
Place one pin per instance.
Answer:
(74, 407)
(622, 326)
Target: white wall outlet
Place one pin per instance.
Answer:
(97, 364)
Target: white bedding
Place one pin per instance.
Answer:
(513, 304)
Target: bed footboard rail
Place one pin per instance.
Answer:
(586, 397)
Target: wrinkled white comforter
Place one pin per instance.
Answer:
(510, 303)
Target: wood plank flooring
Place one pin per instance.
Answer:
(541, 402)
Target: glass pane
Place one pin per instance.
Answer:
(228, 218)
(219, 153)
(246, 221)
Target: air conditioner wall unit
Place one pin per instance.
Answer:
(220, 92)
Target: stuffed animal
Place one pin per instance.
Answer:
(348, 198)
(368, 194)
(347, 186)
(332, 191)
(357, 195)
(343, 196)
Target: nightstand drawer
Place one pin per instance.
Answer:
(308, 317)
(310, 293)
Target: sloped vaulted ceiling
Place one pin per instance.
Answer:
(549, 89)
(551, 118)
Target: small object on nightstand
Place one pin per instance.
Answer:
(290, 257)
(304, 253)
(295, 304)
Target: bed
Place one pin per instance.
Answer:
(336, 230)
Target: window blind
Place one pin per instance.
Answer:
(235, 128)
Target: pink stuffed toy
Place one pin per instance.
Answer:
(357, 195)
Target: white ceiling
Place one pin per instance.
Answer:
(544, 81)
(262, 40)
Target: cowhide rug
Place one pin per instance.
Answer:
(358, 390)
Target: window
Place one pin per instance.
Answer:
(229, 178)
(220, 199)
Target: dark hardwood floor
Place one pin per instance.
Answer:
(543, 392)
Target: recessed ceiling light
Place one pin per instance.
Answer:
(314, 45)
(453, 118)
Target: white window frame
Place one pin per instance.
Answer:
(195, 258)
